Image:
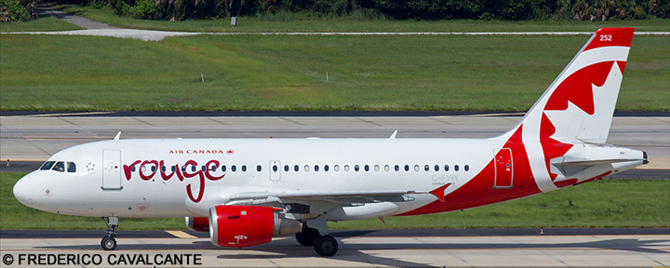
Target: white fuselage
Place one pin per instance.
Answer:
(135, 178)
(353, 165)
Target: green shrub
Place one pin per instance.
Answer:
(145, 9)
(635, 13)
(122, 9)
(291, 10)
(15, 10)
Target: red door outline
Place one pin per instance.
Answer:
(275, 170)
(504, 174)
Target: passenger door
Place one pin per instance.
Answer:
(111, 170)
(504, 172)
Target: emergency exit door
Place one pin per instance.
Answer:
(504, 169)
(111, 170)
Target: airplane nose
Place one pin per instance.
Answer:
(23, 190)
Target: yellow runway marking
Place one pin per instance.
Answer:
(495, 114)
(66, 114)
(181, 234)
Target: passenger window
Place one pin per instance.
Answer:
(426, 168)
(203, 168)
(316, 168)
(174, 168)
(437, 168)
(336, 168)
(296, 168)
(416, 168)
(446, 167)
(356, 168)
(455, 167)
(183, 168)
(233, 168)
(325, 168)
(406, 167)
(59, 166)
(306, 168)
(397, 168)
(286, 168)
(244, 168)
(223, 168)
(367, 168)
(387, 168)
(213, 168)
(163, 168)
(71, 167)
(48, 165)
(466, 168)
(193, 168)
(346, 168)
(377, 168)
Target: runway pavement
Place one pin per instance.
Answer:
(35, 137)
(365, 248)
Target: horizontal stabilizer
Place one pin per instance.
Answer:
(593, 162)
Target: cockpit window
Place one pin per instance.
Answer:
(59, 166)
(71, 167)
(47, 165)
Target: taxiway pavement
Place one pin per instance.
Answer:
(35, 137)
(365, 249)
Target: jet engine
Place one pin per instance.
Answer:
(198, 224)
(244, 226)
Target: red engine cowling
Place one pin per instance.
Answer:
(245, 226)
(198, 224)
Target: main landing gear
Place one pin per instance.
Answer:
(323, 245)
(108, 242)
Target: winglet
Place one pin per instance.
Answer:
(439, 192)
(393, 135)
(118, 135)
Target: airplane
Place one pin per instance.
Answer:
(246, 191)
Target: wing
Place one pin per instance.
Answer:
(342, 198)
(337, 198)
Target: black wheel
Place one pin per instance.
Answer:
(307, 237)
(108, 243)
(326, 246)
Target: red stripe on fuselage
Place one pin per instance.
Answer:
(479, 190)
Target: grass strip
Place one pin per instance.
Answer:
(280, 73)
(599, 204)
(43, 24)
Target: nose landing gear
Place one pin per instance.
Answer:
(108, 242)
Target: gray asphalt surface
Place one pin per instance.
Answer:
(35, 137)
(300, 114)
(368, 251)
(4, 234)
(43, 10)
